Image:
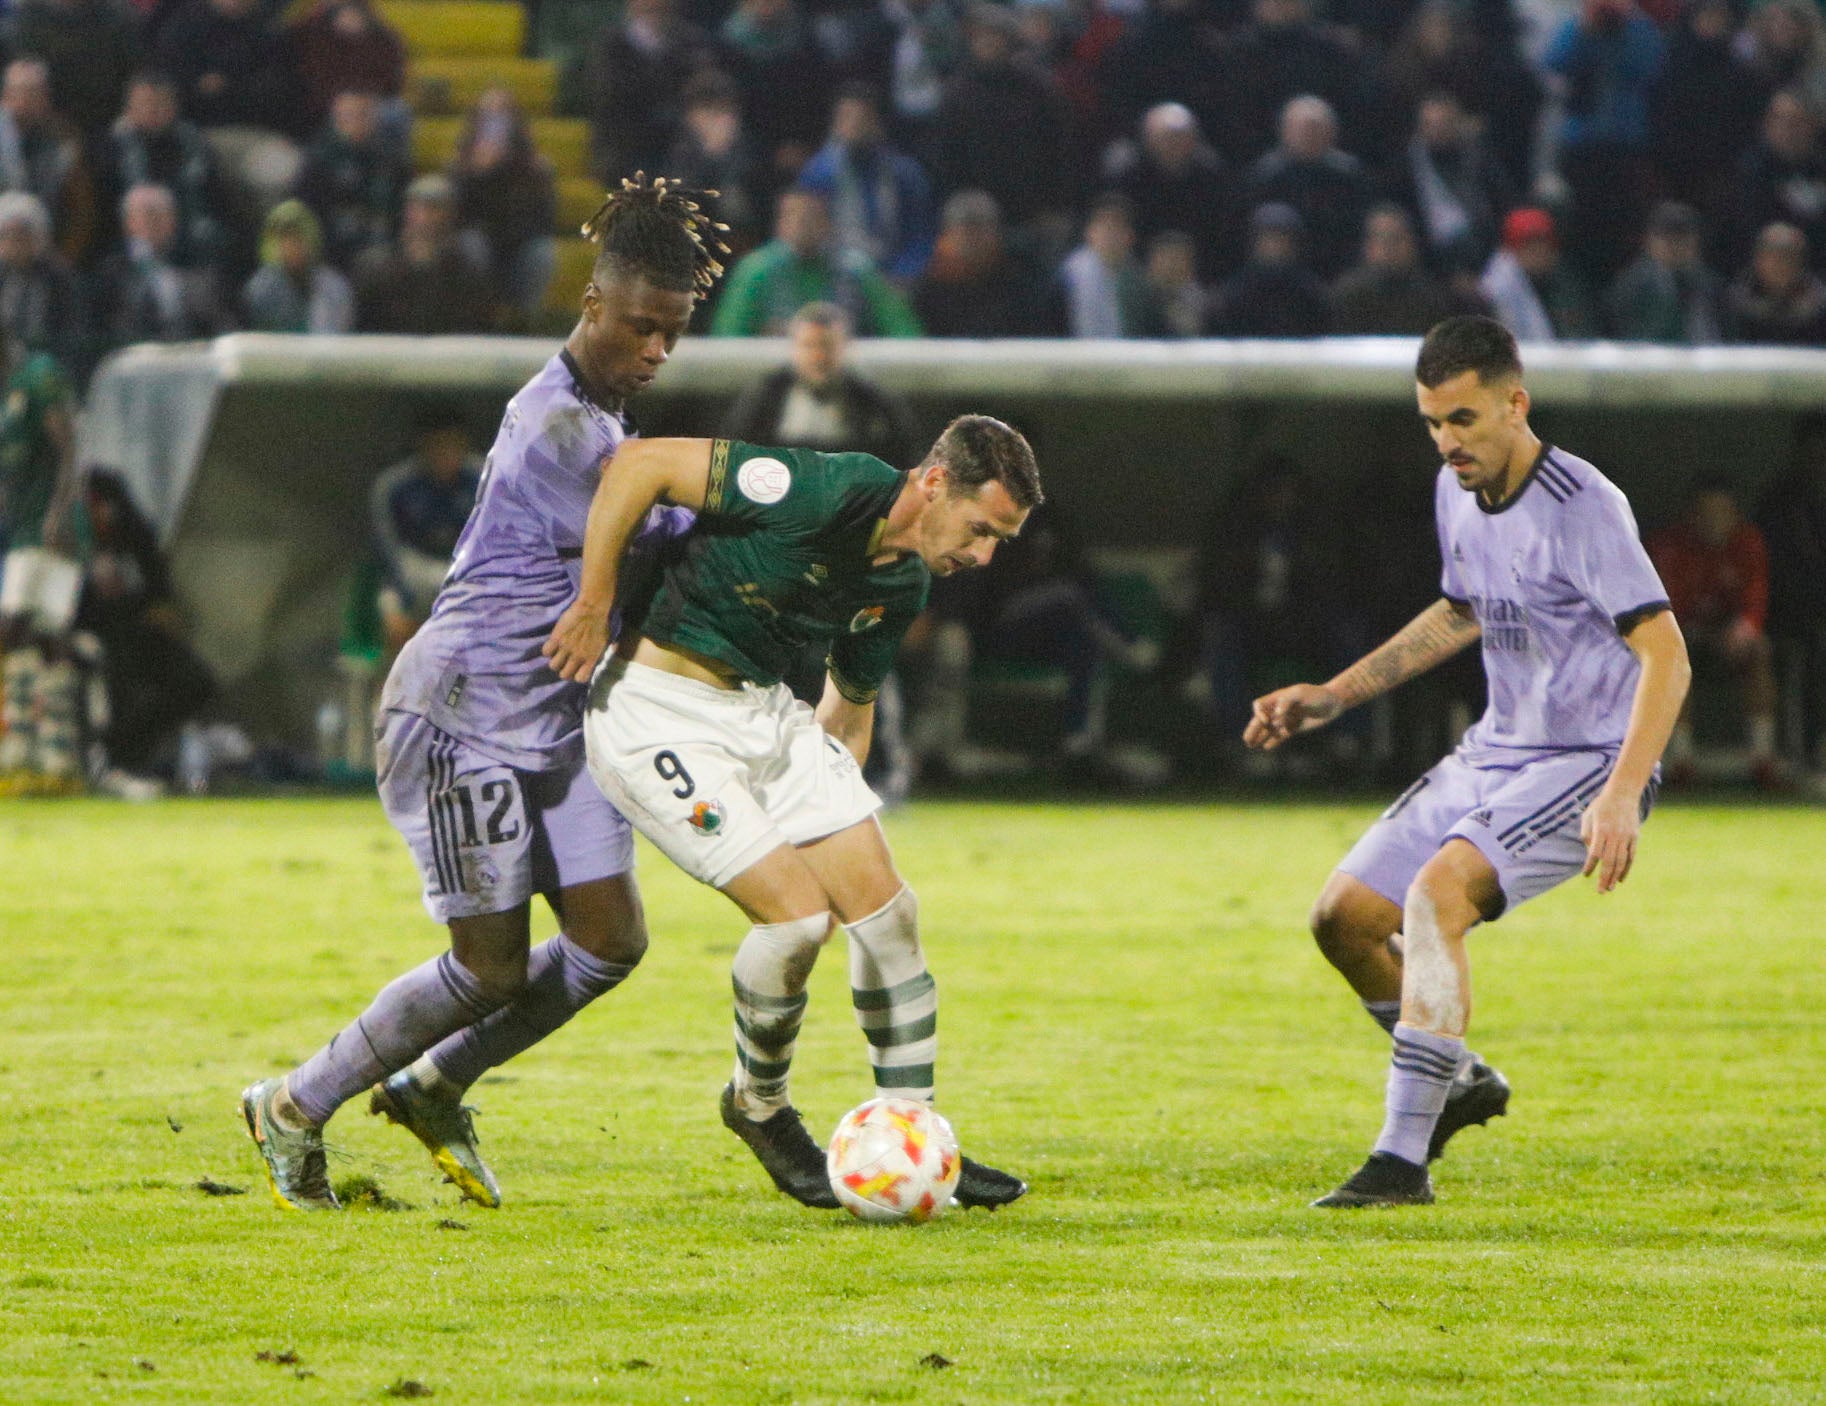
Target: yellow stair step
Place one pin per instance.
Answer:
(565, 142)
(455, 27)
(575, 259)
(440, 84)
(579, 197)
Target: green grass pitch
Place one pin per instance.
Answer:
(1133, 1018)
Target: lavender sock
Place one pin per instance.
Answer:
(561, 979)
(1384, 1013)
(1420, 1077)
(410, 1014)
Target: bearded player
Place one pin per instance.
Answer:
(480, 743)
(1586, 671)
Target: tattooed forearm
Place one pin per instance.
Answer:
(1430, 638)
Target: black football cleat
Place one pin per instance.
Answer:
(1481, 1095)
(787, 1152)
(1384, 1180)
(978, 1185)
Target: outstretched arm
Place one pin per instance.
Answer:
(1430, 638)
(1613, 821)
(642, 473)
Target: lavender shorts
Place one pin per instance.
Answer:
(1524, 819)
(487, 837)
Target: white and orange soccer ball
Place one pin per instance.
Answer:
(893, 1159)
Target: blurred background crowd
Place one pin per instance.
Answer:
(1646, 172)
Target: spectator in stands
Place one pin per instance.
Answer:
(1793, 520)
(1389, 294)
(416, 511)
(801, 265)
(1179, 304)
(1604, 62)
(927, 48)
(151, 144)
(294, 290)
(237, 76)
(817, 402)
(1781, 179)
(1705, 106)
(1104, 289)
(977, 285)
(353, 180)
(712, 152)
(1784, 43)
(154, 679)
(41, 154)
(1777, 299)
(1274, 294)
(89, 46)
(145, 294)
(1327, 186)
(1283, 54)
(425, 282)
(637, 69)
(1446, 47)
(1168, 52)
(507, 201)
(1176, 181)
(343, 44)
(1531, 290)
(879, 198)
(771, 51)
(1457, 190)
(1715, 566)
(1668, 294)
(41, 308)
(1002, 129)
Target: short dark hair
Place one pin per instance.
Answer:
(979, 448)
(657, 230)
(1461, 344)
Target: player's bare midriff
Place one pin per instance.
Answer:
(671, 659)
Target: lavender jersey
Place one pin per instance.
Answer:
(1554, 575)
(475, 669)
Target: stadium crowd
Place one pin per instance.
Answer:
(1649, 172)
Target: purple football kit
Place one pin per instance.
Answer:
(480, 743)
(1556, 575)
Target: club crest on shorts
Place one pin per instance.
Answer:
(707, 817)
(763, 480)
(867, 618)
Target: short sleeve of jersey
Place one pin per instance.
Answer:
(861, 659)
(789, 488)
(1605, 560)
(1451, 581)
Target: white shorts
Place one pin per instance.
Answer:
(41, 586)
(718, 777)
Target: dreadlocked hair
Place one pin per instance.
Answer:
(657, 229)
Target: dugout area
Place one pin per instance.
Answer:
(253, 454)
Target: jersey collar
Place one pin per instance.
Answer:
(1534, 470)
(586, 388)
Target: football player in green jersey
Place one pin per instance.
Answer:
(44, 535)
(694, 737)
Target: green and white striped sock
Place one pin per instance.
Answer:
(771, 968)
(895, 997)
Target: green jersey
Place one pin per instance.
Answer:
(29, 463)
(783, 556)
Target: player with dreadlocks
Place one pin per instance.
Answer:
(480, 743)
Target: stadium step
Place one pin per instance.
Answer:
(572, 271)
(579, 197)
(565, 142)
(473, 28)
(440, 84)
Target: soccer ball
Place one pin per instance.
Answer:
(893, 1159)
